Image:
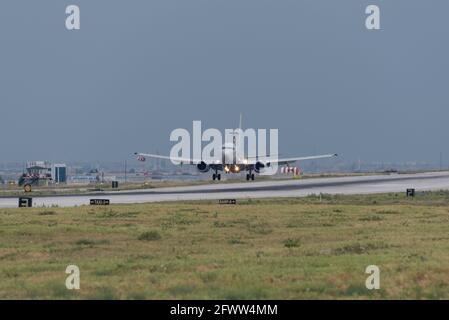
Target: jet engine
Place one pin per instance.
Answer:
(259, 165)
(202, 166)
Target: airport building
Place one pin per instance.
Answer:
(59, 173)
(37, 173)
(38, 168)
(43, 173)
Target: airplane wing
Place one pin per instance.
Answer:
(283, 161)
(177, 159)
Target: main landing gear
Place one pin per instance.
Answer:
(216, 175)
(250, 176)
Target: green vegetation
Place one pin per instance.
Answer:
(149, 236)
(314, 247)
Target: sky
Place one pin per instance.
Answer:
(136, 70)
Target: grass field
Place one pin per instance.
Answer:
(315, 247)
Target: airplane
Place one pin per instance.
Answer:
(231, 164)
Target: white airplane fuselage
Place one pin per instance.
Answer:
(228, 154)
(230, 159)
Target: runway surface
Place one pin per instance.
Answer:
(257, 189)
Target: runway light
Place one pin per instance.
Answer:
(237, 169)
(226, 169)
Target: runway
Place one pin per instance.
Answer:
(258, 189)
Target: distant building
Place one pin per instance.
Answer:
(84, 179)
(37, 173)
(39, 169)
(59, 173)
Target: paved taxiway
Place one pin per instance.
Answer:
(257, 189)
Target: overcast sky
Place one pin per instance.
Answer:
(139, 69)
